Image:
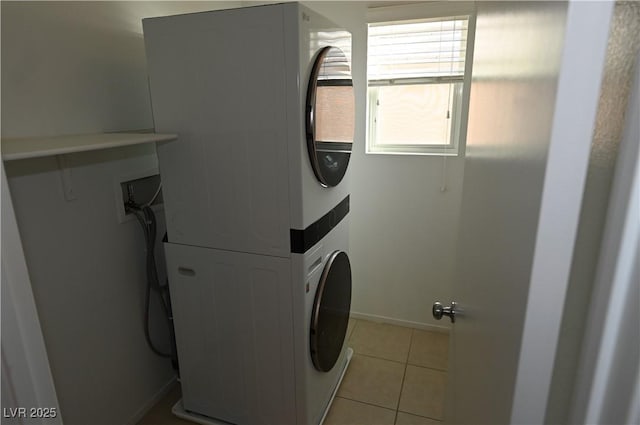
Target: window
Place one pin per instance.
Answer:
(416, 78)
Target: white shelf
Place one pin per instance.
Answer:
(36, 147)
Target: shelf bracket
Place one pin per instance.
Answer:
(66, 177)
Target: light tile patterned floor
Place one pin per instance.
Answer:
(400, 370)
(397, 376)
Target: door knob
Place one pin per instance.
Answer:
(439, 310)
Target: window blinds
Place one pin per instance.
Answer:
(433, 48)
(334, 66)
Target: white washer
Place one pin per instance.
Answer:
(254, 237)
(321, 339)
(246, 328)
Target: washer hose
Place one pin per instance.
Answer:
(147, 220)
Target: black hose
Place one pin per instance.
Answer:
(147, 221)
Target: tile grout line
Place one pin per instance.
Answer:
(418, 365)
(426, 367)
(421, 416)
(371, 356)
(405, 363)
(378, 358)
(401, 389)
(410, 345)
(367, 403)
(386, 408)
(403, 377)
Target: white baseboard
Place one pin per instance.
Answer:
(399, 322)
(152, 402)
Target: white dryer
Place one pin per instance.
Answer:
(256, 200)
(233, 85)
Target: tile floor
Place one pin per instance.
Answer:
(397, 376)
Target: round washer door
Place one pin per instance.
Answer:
(330, 316)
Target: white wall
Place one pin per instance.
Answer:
(403, 228)
(79, 67)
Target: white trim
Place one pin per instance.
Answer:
(24, 354)
(455, 123)
(633, 413)
(414, 153)
(428, 10)
(586, 36)
(422, 11)
(399, 322)
(610, 347)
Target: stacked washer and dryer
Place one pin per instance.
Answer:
(256, 205)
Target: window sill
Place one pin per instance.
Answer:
(452, 154)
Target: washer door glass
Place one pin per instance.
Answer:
(330, 116)
(330, 316)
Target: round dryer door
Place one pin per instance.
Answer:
(330, 316)
(330, 116)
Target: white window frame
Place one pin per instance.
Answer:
(415, 12)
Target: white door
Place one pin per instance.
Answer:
(536, 75)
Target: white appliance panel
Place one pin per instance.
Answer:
(233, 322)
(217, 81)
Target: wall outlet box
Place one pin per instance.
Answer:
(139, 187)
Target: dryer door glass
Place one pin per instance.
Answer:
(330, 316)
(330, 116)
